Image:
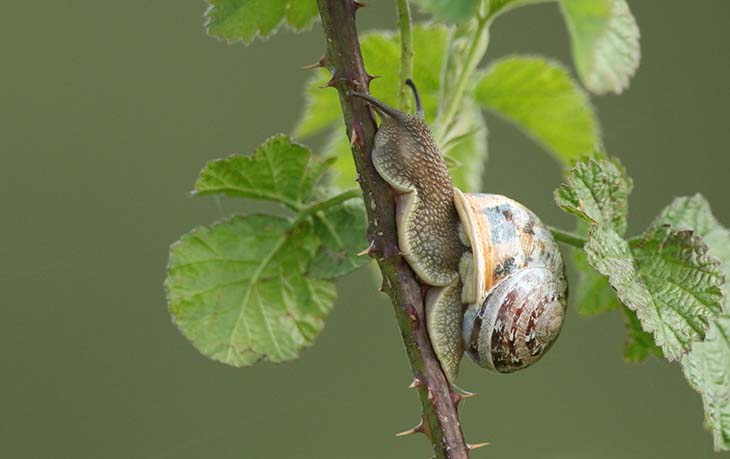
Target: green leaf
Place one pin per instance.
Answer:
(238, 292)
(667, 278)
(597, 191)
(342, 231)
(592, 294)
(279, 170)
(639, 344)
(541, 98)
(245, 20)
(452, 11)
(707, 366)
(605, 41)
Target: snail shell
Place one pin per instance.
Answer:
(515, 288)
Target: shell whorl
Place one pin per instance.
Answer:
(518, 280)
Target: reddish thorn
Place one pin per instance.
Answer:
(430, 394)
(322, 63)
(358, 5)
(416, 383)
(368, 250)
(353, 139)
(471, 447)
(330, 84)
(371, 77)
(418, 429)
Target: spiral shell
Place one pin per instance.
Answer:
(514, 285)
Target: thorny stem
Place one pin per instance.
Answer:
(344, 60)
(568, 238)
(477, 48)
(406, 54)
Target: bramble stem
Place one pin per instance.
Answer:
(568, 238)
(399, 282)
(406, 54)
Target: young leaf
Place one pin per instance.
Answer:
(452, 11)
(667, 277)
(245, 20)
(279, 170)
(707, 366)
(342, 232)
(605, 41)
(541, 98)
(237, 291)
(592, 294)
(597, 191)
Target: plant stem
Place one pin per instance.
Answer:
(474, 56)
(406, 53)
(399, 282)
(333, 201)
(568, 238)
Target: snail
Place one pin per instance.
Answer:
(497, 285)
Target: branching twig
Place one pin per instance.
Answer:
(344, 59)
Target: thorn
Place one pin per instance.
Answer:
(371, 77)
(415, 384)
(459, 395)
(359, 5)
(471, 447)
(367, 251)
(353, 139)
(330, 84)
(322, 63)
(430, 394)
(418, 429)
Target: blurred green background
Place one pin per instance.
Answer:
(107, 112)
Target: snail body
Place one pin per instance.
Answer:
(497, 284)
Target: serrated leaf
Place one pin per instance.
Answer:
(592, 294)
(342, 232)
(597, 191)
(238, 292)
(280, 170)
(605, 42)
(452, 11)
(667, 278)
(541, 98)
(639, 344)
(707, 366)
(245, 20)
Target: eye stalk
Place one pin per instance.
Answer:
(416, 97)
(390, 112)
